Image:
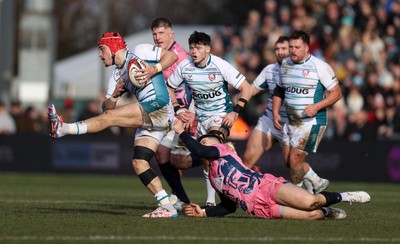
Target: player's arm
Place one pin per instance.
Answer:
(332, 96)
(225, 207)
(193, 145)
(243, 98)
(254, 90)
(111, 101)
(279, 95)
(179, 111)
(167, 59)
(174, 81)
(245, 94)
(333, 93)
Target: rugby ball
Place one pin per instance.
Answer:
(133, 65)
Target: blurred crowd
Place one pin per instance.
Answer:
(360, 39)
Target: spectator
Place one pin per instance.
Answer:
(17, 112)
(32, 121)
(7, 123)
(359, 129)
(68, 110)
(91, 109)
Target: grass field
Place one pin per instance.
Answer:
(59, 208)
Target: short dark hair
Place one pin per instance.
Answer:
(282, 39)
(298, 34)
(199, 38)
(161, 22)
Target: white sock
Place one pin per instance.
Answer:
(162, 197)
(308, 186)
(77, 128)
(345, 197)
(313, 177)
(210, 189)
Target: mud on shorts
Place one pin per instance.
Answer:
(266, 125)
(155, 124)
(203, 126)
(305, 137)
(265, 205)
(177, 146)
(172, 141)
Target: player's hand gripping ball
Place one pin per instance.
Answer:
(133, 65)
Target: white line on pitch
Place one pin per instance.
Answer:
(189, 238)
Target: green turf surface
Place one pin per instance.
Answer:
(59, 208)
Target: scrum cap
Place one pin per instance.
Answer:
(214, 133)
(113, 40)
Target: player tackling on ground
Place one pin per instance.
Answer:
(262, 195)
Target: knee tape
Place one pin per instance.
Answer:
(143, 153)
(147, 176)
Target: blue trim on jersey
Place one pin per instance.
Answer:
(126, 56)
(207, 63)
(321, 116)
(264, 84)
(161, 92)
(228, 103)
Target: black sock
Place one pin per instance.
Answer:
(331, 197)
(171, 175)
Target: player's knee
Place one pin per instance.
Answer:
(294, 163)
(142, 153)
(162, 155)
(313, 202)
(316, 215)
(181, 161)
(109, 113)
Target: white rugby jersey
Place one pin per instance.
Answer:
(154, 95)
(208, 85)
(305, 83)
(267, 80)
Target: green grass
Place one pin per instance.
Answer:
(43, 208)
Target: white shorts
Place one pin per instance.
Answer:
(155, 124)
(204, 126)
(266, 125)
(172, 141)
(307, 136)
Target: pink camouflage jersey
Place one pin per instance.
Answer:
(230, 177)
(182, 93)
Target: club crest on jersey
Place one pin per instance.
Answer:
(305, 72)
(217, 121)
(211, 76)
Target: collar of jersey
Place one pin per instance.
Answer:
(169, 49)
(304, 60)
(126, 55)
(207, 63)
